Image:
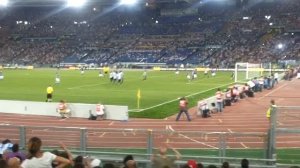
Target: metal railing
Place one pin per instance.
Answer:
(114, 144)
(284, 135)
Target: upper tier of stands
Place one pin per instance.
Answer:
(217, 35)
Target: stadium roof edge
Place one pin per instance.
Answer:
(61, 2)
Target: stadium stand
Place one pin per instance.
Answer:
(215, 36)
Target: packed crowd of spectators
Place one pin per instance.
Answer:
(215, 36)
(34, 157)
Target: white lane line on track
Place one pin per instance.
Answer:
(272, 91)
(102, 135)
(220, 121)
(111, 123)
(279, 123)
(243, 145)
(229, 130)
(191, 139)
(5, 123)
(170, 127)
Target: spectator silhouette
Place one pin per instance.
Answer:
(244, 163)
(38, 159)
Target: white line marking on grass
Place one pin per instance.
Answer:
(244, 145)
(272, 91)
(185, 96)
(198, 141)
(135, 110)
(82, 86)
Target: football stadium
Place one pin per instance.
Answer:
(149, 83)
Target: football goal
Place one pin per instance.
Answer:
(245, 71)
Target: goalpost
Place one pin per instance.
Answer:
(244, 71)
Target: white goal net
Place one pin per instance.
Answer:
(245, 71)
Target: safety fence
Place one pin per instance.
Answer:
(114, 144)
(284, 139)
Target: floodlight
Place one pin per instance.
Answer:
(280, 46)
(268, 17)
(3, 2)
(75, 3)
(128, 2)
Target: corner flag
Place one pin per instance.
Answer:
(138, 95)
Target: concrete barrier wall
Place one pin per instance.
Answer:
(50, 109)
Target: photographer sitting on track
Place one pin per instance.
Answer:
(63, 109)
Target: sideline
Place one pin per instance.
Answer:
(170, 101)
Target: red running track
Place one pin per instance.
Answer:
(246, 116)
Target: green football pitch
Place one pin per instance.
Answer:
(160, 89)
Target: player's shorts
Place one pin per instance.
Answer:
(49, 96)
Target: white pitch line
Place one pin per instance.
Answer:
(77, 87)
(185, 96)
(243, 145)
(198, 141)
